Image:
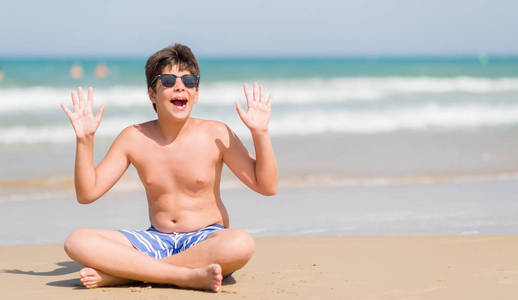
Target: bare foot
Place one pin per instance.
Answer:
(206, 278)
(92, 278)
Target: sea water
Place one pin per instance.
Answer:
(336, 122)
(343, 125)
(311, 96)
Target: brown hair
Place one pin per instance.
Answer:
(176, 54)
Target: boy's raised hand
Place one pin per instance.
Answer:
(84, 122)
(258, 114)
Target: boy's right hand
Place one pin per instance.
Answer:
(84, 122)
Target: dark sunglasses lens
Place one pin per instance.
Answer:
(168, 80)
(189, 81)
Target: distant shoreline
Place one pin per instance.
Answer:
(294, 57)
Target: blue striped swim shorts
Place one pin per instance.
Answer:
(159, 245)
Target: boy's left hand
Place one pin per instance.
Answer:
(258, 114)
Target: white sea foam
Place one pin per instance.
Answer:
(285, 91)
(310, 121)
(58, 133)
(367, 88)
(307, 117)
(17, 99)
(416, 118)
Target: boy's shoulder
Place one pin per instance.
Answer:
(136, 132)
(212, 127)
(138, 128)
(214, 124)
(212, 130)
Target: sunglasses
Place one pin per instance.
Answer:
(168, 80)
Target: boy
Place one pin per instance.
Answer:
(179, 160)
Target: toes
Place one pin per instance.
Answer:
(216, 272)
(215, 269)
(86, 272)
(89, 278)
(217, 286)
(88, 283)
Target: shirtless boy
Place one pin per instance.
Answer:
(179, 160)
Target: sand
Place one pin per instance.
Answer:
(368, 267)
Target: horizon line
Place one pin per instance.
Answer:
(272, 56)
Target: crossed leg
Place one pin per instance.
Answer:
(110, 259)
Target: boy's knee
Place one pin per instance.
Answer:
(75, 241)
(242, 243)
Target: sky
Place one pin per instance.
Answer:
(260, 28)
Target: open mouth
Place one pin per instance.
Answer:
(179, 103)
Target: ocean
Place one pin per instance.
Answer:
(311, 96)
(336, 122)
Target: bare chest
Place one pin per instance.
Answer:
(189, 166)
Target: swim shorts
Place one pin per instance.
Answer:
(159, 245)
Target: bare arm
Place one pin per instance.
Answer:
(90, 182)
(259, 173)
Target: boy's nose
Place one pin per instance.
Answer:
(178, 85)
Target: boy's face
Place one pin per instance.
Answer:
(177, 100)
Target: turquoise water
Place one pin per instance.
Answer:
(54, 72)
(311, 95)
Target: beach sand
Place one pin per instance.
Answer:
(369, 267)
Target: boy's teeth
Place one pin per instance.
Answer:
(179, 102)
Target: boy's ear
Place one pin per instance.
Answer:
(152, 95)
(196, 98)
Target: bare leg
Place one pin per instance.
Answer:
(100, 251)
(230, 248)
(92, 278)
